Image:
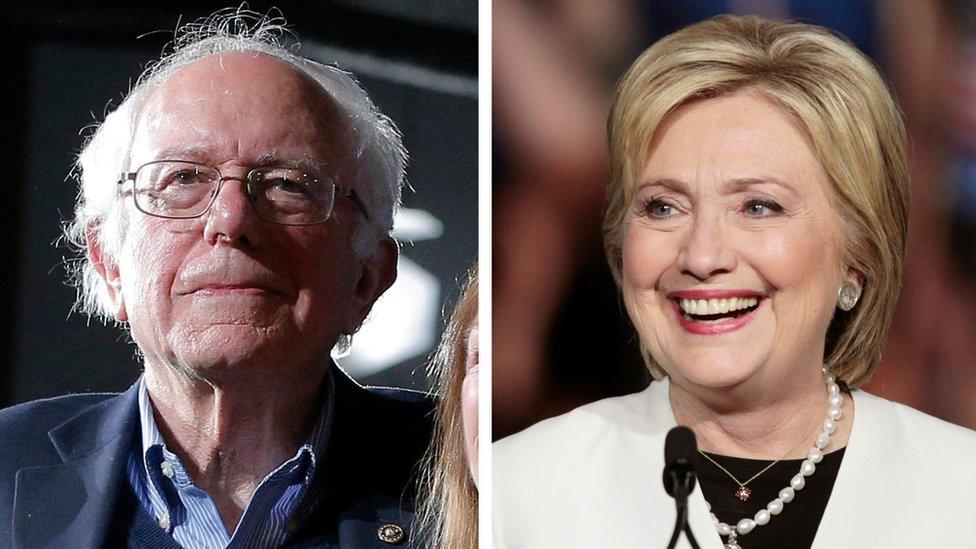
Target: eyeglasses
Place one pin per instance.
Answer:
(178, 189)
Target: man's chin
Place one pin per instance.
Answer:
(226, 370)
(233, 348)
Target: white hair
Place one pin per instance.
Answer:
(380, 158)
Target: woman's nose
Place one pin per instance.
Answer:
(706, 251)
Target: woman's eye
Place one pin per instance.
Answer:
(762, 208)
(658, 209)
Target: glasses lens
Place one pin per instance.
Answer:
(175, 189)
(292, 197)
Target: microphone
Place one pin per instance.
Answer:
(680, 448)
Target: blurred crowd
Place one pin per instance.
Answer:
(559, 336)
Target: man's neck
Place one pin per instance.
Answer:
(230, 434)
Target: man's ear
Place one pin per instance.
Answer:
(375, 275)
(108, 270)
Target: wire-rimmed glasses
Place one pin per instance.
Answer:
(180, 189)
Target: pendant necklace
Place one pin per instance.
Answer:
(732, 533)
(743, 492)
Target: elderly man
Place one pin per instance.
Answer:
(247, 235)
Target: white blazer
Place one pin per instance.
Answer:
(592, 478)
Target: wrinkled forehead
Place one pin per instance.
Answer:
(240, 106)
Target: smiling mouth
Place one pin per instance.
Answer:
(717, 310)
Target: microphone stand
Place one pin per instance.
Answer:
(681, 486)
(680, 449)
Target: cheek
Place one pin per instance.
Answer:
(795, 259)
(469, 398)
(802, 267)
(151, 257)
(646, 257)
(469, 412)
(320, 270)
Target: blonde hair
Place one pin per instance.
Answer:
(837, 96)
(448, 514)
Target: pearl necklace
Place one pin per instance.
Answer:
(814, 456)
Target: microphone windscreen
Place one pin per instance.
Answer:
(679, 443)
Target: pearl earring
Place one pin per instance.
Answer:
(847, 296)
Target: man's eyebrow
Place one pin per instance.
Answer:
(273, 159)
(185, 152)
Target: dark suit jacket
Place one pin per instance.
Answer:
(62, 468)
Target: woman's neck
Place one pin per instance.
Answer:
(757, 426)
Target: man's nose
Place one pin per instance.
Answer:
(706, 250)
(232, 217)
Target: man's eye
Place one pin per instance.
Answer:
(288, 185)
(184, 178)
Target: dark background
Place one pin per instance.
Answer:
(63, 63)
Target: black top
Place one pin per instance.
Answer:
(797, 525)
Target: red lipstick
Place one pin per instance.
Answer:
(713, 327)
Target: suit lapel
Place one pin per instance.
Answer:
(70, 504)
(348, 495)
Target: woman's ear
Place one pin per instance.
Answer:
(856, 278)
(108, 269)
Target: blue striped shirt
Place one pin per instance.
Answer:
(190, 516)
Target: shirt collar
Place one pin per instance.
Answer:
(315, 444)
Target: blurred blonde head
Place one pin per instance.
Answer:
(448, 514)
(828, 88)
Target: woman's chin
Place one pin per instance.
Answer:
(717, 375)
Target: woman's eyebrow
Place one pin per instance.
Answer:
(675, 185)
(741, 184)
(730, 186)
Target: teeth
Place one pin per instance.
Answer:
(716, 306)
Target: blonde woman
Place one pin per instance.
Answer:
(448, 517)
(756, 226)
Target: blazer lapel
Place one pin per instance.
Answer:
(852, 494)
(70, 504)
(660, 420)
